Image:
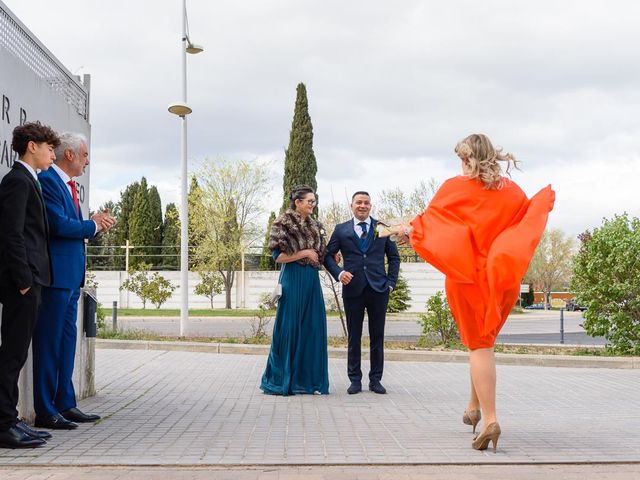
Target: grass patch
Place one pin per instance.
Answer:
(341, 342)
(136, 334)
(542, 350)
(174, 312)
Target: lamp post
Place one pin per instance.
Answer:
(182, 109)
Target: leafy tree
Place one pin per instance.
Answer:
(226, 219)
(400, 297)
(159, 289)
(606, 278)
(438, 321)
(211, 284)
(154, 288)
(266, 259)
(551, 265)
(171, 237)
(300, 165)
(138, 281)
(195, 227)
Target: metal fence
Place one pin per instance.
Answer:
(15, 38)
(168, 258)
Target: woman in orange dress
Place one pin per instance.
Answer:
(481, 231)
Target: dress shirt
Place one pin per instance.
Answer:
(28, 167)
(65, 178)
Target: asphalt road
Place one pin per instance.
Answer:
(532, 327)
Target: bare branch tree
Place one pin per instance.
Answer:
(396, 204)
(227, 216)
(551, 265)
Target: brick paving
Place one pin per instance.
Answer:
(190, 409)
(360, 472)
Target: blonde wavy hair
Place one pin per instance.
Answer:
(481, 158)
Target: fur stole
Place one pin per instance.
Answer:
(291, 233)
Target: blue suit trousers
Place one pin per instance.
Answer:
(54, 349)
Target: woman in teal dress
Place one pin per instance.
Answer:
(298, 360)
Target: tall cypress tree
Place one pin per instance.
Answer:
(141, 228)
(124, 208)
(266, 260)
(299, 162)
(171, 237)
(156, 215)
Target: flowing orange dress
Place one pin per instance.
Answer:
(483, 241)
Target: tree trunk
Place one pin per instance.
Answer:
(228, 277)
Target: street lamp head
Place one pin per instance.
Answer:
(194, 48)
(180, 109)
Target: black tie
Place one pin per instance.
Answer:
(363, 226)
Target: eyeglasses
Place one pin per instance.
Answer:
(311, 202)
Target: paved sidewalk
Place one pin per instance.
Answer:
(195, 409)
(360, 472)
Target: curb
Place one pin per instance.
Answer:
(522, 360)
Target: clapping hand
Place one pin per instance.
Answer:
(103, 220)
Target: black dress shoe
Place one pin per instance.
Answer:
(57, 422)
(75, 415)
(16, 438)
(31, 432)
(355, 387)
(376, 387)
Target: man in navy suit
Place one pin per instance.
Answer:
(54, 339)
(25, 269)
(365, 286)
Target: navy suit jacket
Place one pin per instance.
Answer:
(67, 232)
(367, 267)
(24, 251)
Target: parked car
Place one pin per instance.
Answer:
(537, 306)
(572, 306)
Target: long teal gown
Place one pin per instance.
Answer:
(298, 360)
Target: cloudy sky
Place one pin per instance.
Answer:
(392, 86)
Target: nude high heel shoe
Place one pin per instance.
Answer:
(395, 232)
(490, 434)
(472, 418)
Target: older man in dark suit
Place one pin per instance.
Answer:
(365, 286)
(25, 268)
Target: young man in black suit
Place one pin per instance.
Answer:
(365, 286)
(24, 268)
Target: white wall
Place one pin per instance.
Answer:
(44, 93)
(423, 280)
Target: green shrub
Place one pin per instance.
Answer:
(400, 297)
(606, 279)
(437, 323)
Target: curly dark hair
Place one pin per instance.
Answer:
(298, 193)
(32, 132)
